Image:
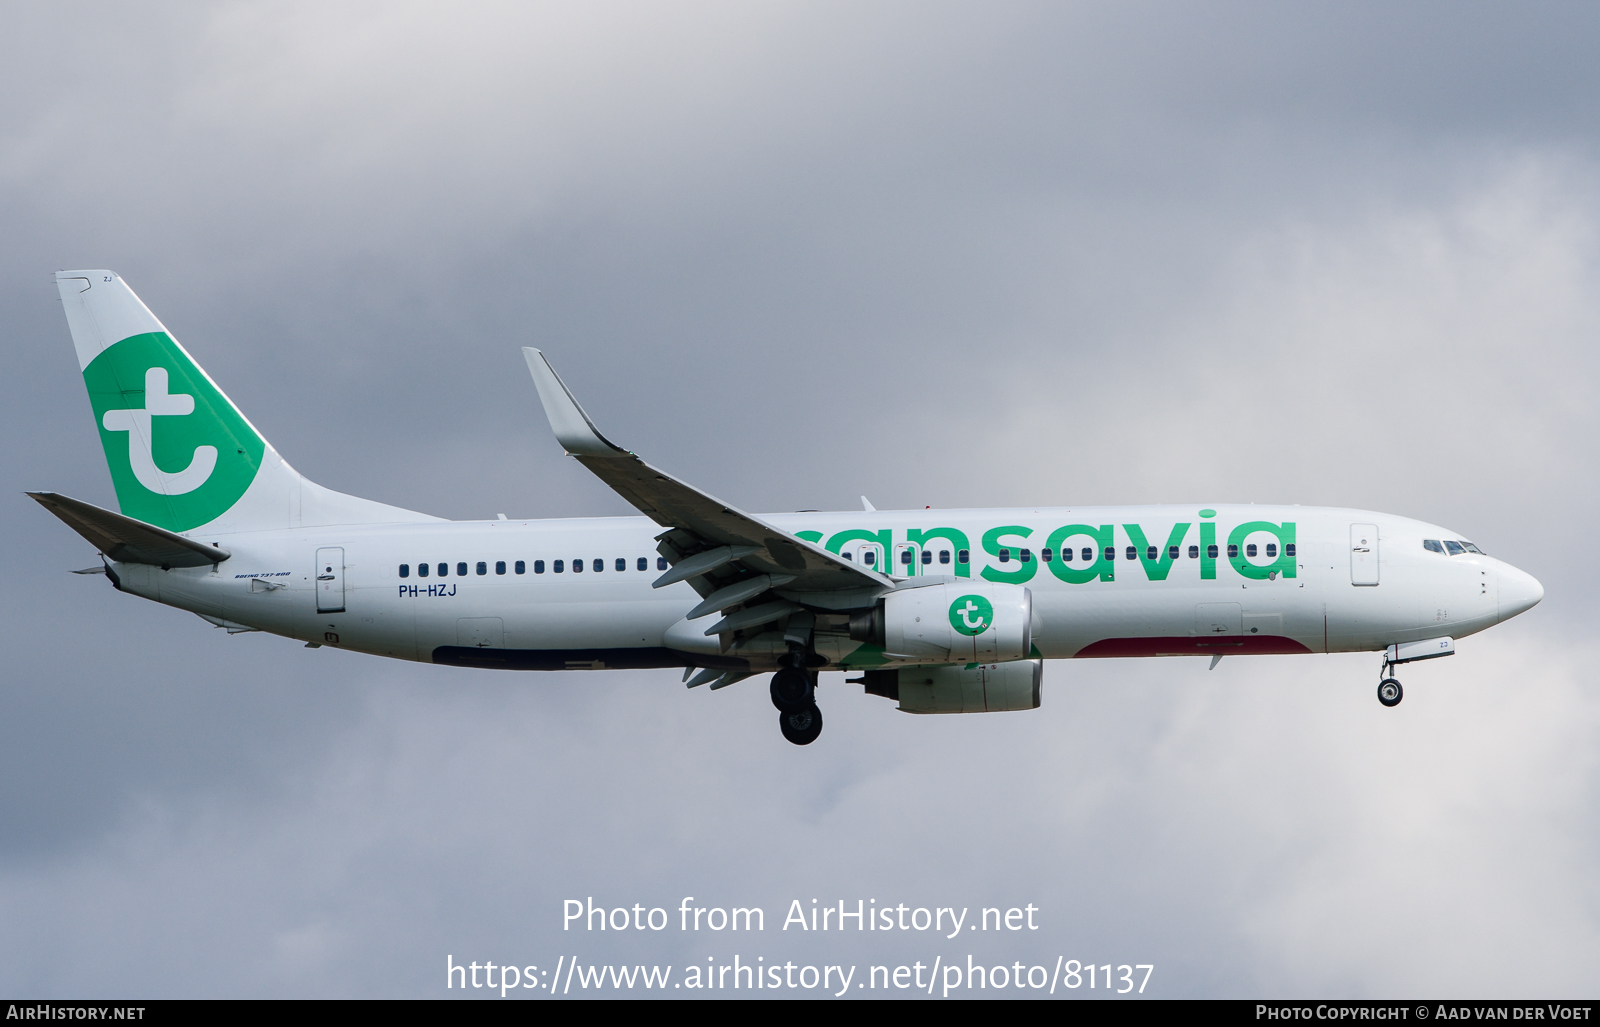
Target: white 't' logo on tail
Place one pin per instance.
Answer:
(137, 424)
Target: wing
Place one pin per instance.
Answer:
(127, 540)
(729, 556)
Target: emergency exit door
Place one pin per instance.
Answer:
(330, 581)
(1363, 554)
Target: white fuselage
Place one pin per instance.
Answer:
(597, 618)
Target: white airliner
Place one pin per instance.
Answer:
(943, 611)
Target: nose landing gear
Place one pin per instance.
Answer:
(1389, 691)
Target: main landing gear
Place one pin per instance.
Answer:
(1389, 691)
(794, 693)
(801, 726)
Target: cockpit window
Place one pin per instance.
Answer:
(1454, 547)
(1432, 545)
(1469, 547)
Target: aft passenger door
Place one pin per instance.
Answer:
(330, 581)
(1363, 554)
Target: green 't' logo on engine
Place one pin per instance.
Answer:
(180, 454)
(970, 615)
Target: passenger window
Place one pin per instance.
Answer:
(1005, 556)
(405, 570)
(1172, 552)
(661, 563)
(1066, 554)
(927, 557)
(422, 570)
(577, 566)
(870, 557)
(644, 563)
(1250, 550)
(499, 566)
(558, 566)
(905, 557)
(1272, 549)
(1288, 549)
(622, 563)
(847, 556)
(483, 568)
(1111, 552)
(944, 556)
(1433, 545)
(1194, 552)
(461, 570)
(963, 556)
(444, 570)
(1026, 556)
(1150, 552)
(1454, 547)
(1132, 553)
(1233, 551)
(1211, 552)
(1046, 555)
(1088, 554)
(521, 567)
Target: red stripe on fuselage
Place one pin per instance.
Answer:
(1228, 645)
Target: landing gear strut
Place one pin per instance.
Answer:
(794, 693)
(1389, 691)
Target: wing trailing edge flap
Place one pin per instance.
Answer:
(126, 540)
(718, 547)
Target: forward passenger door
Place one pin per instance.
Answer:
(1363, 554)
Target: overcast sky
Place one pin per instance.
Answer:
(949, 255)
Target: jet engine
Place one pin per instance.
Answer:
(962, 622)
(980, 688)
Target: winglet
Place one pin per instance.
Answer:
(572, 427)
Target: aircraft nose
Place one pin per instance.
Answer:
(1519, 592)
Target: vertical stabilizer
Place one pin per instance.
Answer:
(182, 456)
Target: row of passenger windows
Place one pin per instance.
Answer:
(521, 567)
(870, 557)
(1451, 546)
(1150, 553)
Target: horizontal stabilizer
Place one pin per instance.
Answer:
(126, 540)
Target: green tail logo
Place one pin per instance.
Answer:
(180, 454)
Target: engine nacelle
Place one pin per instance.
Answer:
(984, 688)
(969, 622)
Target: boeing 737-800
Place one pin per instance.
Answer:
(947, 611)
